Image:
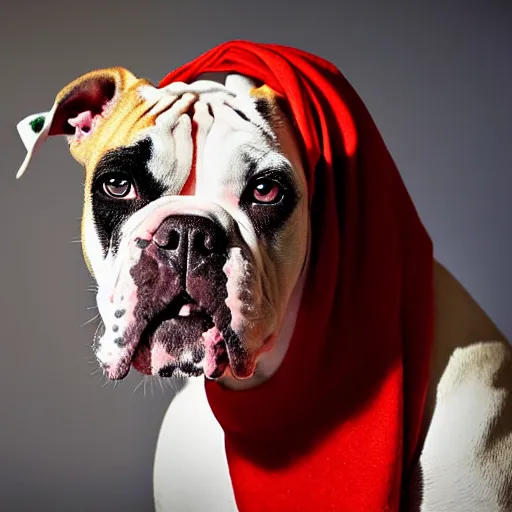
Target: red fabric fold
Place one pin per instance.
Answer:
(337, 427)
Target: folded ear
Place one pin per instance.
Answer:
(77, 110)
(240, 84)
(271, 105)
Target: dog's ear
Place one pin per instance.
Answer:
(258, 91)
(77, 111)
(271, 105)
(240, 84)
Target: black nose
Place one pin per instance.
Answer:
(189, 240)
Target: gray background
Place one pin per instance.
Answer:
(437, 80)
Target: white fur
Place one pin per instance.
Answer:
(190, 471)
(466, 466)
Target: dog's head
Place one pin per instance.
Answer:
(195, 221)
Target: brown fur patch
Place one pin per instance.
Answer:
(125, 117)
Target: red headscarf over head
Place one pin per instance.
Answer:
(337, 427)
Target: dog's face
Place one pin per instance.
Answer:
(195, 222)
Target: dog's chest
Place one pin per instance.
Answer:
(190, 470)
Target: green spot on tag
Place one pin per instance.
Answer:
(37, 124)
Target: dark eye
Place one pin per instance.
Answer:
(119, 187)
(267, 191)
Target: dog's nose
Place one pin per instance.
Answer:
(188, 240)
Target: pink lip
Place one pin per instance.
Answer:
(142, 359)
(151, 356)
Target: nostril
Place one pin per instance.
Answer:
(174, 240)
(193, 235)
(201, 243)
(207, 242)
(169, 240)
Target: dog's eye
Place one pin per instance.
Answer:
(267, 191)
(119, 187)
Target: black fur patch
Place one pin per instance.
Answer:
(110, 214)
(265, 108)
(268, 219)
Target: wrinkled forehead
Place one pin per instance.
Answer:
(212, 133)
(225, 125)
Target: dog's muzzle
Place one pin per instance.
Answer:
(179, 303)
(185, 258)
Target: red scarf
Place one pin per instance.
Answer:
(337, 427)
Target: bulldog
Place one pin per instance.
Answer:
(194, 223)
(196, 228)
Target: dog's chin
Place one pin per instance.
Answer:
(187, 345)
(185, 341)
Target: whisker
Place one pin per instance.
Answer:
(98, 377)
(175, 384)
(91, 320)
(95, 336)
(97, 329)
(139, 384)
